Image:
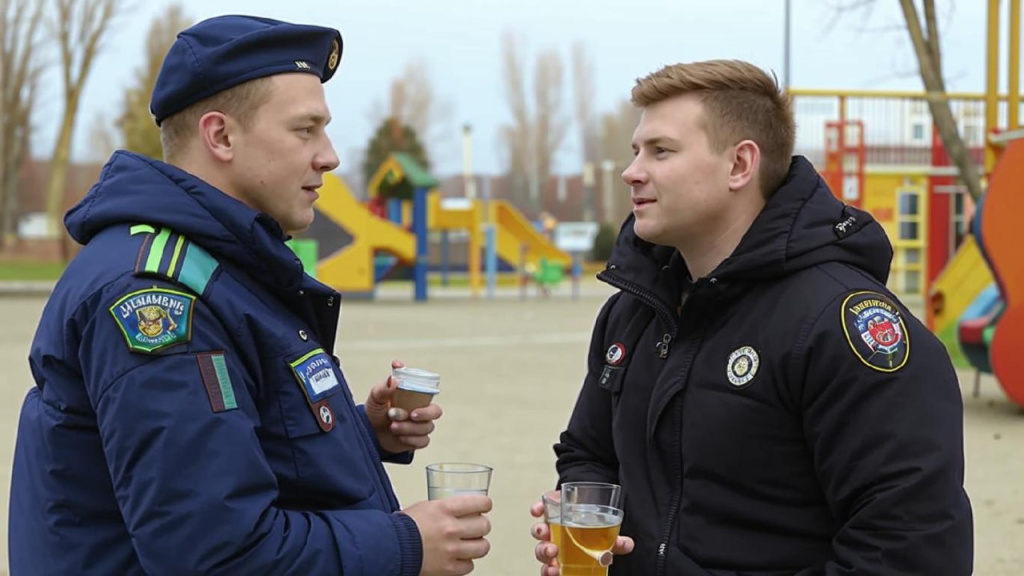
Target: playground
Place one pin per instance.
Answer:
(955, 254)
(353, 246)
(508, 387)
(500, 301)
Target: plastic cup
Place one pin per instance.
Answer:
(448, 479)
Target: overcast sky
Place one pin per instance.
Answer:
(459, 41)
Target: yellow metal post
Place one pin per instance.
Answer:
(475, 249)
(992, 83)
(842, 149)
(1014, 62)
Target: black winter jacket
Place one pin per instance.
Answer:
(791, 419)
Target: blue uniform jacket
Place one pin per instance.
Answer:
(189, 416)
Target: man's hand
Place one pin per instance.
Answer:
(398, 431)
(546, 552)
(453, 531)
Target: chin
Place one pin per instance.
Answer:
(646, 232)
(300, 224)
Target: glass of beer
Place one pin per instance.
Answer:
(590, 518)
(553, 515)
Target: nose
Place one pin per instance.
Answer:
(633, 175)
(327, 160)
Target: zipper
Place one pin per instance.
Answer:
(663, 346)
(649, 298)
(663, 313)
(673, 509)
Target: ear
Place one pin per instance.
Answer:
(746, 163)
(215, 131)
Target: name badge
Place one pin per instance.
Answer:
(315, 371)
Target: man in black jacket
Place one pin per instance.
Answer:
(767, 405)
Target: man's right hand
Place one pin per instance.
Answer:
(452, 531)
(547, 553)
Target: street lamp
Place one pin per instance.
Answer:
(786, 51)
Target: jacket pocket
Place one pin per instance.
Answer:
(332, 459)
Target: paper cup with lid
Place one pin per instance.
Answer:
(416, 387)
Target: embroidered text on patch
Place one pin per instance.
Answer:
(742, 366)
(316, 373)
(875, 330)
(154, 319)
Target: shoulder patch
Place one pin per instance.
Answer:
(154, 319)
(167, 254)
(875, 331)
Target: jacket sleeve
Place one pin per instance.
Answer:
(195, 489)
(886, 433)
(586, 451)
(385, 456)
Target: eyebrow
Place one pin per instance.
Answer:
(315, 118)
(655, 141)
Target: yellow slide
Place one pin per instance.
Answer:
(959, 283)
(351, 269)
(513, 231)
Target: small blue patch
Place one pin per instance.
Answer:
(315, 371)
(154, 319)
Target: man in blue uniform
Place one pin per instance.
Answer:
(767, 405)
(189, 416)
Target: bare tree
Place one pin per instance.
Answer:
(929, 59)
(925, 40)
(535, 136)
(517, 137)
(583, 96)
(139, 132)
(103, 138)
(19, 76)
(79, 26)
(550, 123)
(414, 102)
(616, 133)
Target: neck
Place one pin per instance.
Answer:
(212, 175)
(705, 252)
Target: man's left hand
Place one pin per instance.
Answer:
(397, 430)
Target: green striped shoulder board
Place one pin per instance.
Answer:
(166, 253)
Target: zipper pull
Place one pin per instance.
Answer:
(663, 346)
(661, 549)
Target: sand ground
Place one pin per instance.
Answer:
(511, 370)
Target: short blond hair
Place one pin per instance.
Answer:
(741, 102)
(241, 102)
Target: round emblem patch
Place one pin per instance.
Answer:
(616, 354)
(325, 415)
(742, 366)
(875, 330)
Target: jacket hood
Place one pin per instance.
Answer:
(133, 189)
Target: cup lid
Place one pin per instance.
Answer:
(417, 379)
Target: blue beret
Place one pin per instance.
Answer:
(225, 51)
